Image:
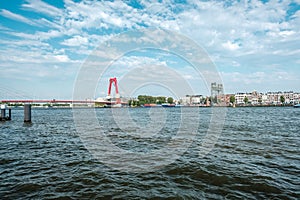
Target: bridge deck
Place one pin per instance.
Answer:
(56, 101)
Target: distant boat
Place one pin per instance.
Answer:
(148, 105)
(168, 105)
(297, 106)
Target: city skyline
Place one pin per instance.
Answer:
(253, 44)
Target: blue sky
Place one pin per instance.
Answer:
(254, 44)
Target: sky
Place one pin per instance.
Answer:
(254, 44)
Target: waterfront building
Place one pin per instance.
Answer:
(240, 98)
(296, 98)
(289, 97)
(217, 94)
(227, 99)
(185, 100)
(196, 99)
(254, 98)
(216, 89)
(192, 100)
(269, 98)
(264, 99)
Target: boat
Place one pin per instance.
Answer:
(297, 106)
(148, 105)
(168, 105)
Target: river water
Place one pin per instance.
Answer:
(256, 156)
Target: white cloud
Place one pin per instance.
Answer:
(62, 58)
(4, 28)
(47, 23)
(16, 17)
(34, 55)
(24, 43)
(260, 80)
(235, 64)
(76, 41)
(286, 33)
(39, 35)
(42, 7)
(245, 34)
(231, 46)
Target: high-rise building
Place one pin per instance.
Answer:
(217, 92)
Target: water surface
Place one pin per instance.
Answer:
(256, 157)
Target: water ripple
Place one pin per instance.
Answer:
(256, 157)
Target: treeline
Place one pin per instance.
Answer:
(145, 99)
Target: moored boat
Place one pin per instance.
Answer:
(148, 105)
(167, 105)
(297, 106)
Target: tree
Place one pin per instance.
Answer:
(141, 99)
(209, 100)
(170, 100)
(282, 99)
(144, 99)
(246, 100)
(232, 99)
(160, 100)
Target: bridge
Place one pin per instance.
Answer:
(53, 101)
(102, 101)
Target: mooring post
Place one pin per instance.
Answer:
(2, 113)
(27, 113)
(9, 114)
(3, 110)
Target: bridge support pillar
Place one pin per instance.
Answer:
(27, 113)
(3, 112)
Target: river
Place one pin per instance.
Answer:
(256, 156)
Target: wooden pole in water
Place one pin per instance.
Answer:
(27, 113)
(2, 113)
(3, 110)
(9, 114)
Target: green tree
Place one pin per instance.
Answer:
(282, 99)
(232, 99)
(144, 99)
(246, 100)
(160, 100)
(203, 100)
(170, 100)
(209, 100)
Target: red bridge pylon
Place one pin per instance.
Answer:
(114, 81)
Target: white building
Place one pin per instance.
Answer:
(185, 100)
(240, 97)
(264, 99)
(296, 98)
(196, 99)
(191, 99)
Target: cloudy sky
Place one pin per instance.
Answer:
(254, 44)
